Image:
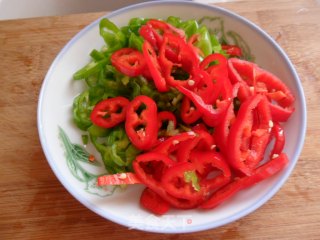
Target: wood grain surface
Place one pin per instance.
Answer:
(34, 204)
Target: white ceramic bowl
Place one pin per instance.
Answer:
(59, 90)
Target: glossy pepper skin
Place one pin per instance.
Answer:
(249, 134)
(263, 82)
(128, 61)
(265, 171)
(142, 122)
(110, 112)
(154, 67)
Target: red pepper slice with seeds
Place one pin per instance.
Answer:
(142, 122)
(249, 134)
(203, 141)
(128, 61)
(149, 168)
(211, 113)
(213, 170)
(264, 82)
(110, 112)
(176, 182)
(185, 59)
(188, 112)
(215, 64)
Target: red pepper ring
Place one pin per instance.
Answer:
(109, 112)
(182, 56)
(142, 122)
(173, 143)
(164, 27)
(249, 134)
(202, 142)
(264, 82)
(276, 89)
(128, 61)
(189, 113)
(220, 64)
(213, 115)
(213, 170)
(154, 30)
(205, 86)
(263, 172)
(175, 183)
(149, 168)
(166, 116)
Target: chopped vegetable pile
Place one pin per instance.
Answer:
(172, 106)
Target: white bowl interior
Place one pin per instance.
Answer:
(59, 90)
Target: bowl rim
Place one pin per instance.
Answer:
(211, 225)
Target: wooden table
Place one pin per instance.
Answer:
(33, 203)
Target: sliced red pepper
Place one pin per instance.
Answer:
(109, 112)
(154, 30)
(280, 114)
(128, 61)
(188, 112)
(212, 114)
(175, 183)
(241, 70)
(163, 27)
(215, 64)
(276, 89)
(150, 167)
(154, 67)
(151, 201)
(232, 50)
(274, 165)
(184, 56)
(171, 144)
(142, 122)
(202, 142)
(166, 116)
(223, 194)
(221, 131)
(212, 168)
(205, 86)
(249, 134)
(118, 179)
(278, 133)
(262, 81)
(150, 35)
(263, 172)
